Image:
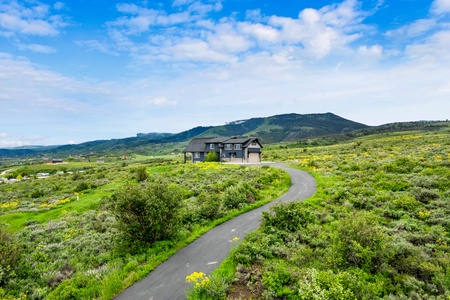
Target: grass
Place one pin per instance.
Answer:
(88, 201)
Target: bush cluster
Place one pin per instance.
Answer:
(128, 219)
(377, 228)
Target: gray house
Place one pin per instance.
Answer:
(231, 149)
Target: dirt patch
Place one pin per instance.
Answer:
(247, 284)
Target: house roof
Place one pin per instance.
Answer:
(197, 144)
(218, 139)
(236, 140)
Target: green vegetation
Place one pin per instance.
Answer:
(90, 229)
(148, 213)
(212, 157)
(377, 228)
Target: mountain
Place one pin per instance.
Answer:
(287, 127)
(279, 128)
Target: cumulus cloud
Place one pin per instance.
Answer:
(151, 35)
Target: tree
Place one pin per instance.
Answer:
(212, 157)
(148, 212)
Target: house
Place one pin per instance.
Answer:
(231, 149)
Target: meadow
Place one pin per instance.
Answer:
(63, 236)
(377, 227)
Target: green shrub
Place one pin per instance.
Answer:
(10, 252)
(359, 241)
(82, 186)
(148, 212)
(239, 195)
(424, 195)
(406, 202)
(140, 173)
(288, 217)
(325, 285)
(209, 206)
(212, 157)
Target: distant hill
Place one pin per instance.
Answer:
(274, 129)
(287, 127)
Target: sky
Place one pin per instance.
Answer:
(78, 70)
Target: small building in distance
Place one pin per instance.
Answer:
(229, 149)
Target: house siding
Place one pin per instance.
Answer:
(228, 149)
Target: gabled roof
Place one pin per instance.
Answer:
(197, 144)
(236, 140)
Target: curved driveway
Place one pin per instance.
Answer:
(167, 281)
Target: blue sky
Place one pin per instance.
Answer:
(75, 71)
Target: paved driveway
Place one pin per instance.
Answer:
(167, 281)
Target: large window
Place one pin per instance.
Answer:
(197, 155)
(227, 146)
(237, 146)
(211, 146)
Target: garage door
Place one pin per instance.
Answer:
(254, 158)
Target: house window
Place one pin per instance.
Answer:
(237, 147)
(254, 144)
(211, 146)
(197, 155)
(227, 146)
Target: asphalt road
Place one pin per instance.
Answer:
(167, 281)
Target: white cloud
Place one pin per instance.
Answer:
(37, 48)
(181, 2)
(414, 29)
(150, 35)
(162, 101)
(433, 49)
(227, 39)
(3, 135)
(34, 20)
(440, 7)
(375, 51)
(202, 8)
(59, 6)
(32, 89)
(197, 50)
(10, 141)
(97, 46)
(260, 32)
